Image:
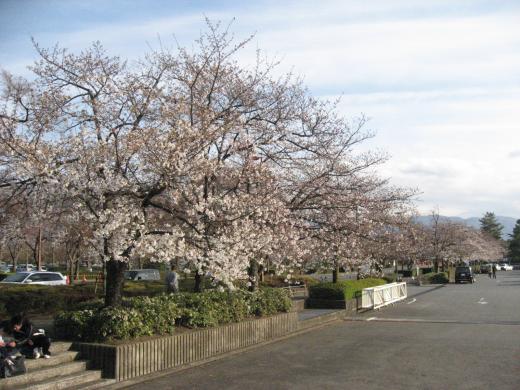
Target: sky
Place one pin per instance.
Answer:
(439, 79)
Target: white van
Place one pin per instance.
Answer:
(142, 274)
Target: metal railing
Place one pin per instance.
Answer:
(379, 296)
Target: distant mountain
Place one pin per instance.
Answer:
(508, 222)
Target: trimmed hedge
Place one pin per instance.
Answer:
(436, 278)
(145, 316)
(35, 299)
(343, 290)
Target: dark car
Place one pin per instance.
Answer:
(485, 268)
(463, 274)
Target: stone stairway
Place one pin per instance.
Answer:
(62, 371)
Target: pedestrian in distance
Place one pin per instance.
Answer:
(172, 281)
(32, 342)
(494, 268)
(490, 272)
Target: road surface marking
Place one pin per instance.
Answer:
(482, 301)
(371, 318)
(412, 301)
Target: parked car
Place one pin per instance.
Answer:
(485, 268)
(506, 267)
(25, 268)
(36, 277)
(142, 274)
(463, 274)
(6, 268)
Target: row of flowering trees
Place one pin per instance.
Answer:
(189, 156)
(444, 242)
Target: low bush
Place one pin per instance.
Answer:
(212, 308)
(139, 316)
(74, 325)
(343, 290)
(389, 278)
(140, 288)
(144, 316)
(34, 299)
(268, 301)
(436, 278)
(158, 314)
(118, 323)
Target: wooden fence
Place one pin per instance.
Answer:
(134, 359)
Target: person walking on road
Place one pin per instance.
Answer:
(172, 281)
(494, 268)
(489, 272)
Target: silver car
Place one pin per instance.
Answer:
(36, 277)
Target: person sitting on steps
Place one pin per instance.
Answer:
(7, 343)
(32, 342)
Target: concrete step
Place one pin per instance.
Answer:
(59, 346)
(56, 359)
(43, 374)
(298, 304)
(65, 382)
(98, 384)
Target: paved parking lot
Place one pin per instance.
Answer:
(451, 337)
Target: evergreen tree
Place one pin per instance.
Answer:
(514, 243)
(489, 224)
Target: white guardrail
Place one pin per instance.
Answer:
(376, 297)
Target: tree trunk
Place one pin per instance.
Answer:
(253, 275)
(76, 270)
(335, 273)
(115, 281)
(261, 273)
(199, 282)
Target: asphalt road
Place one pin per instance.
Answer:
(450, 337)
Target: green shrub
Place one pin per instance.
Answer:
(343, 290)
(73, 325)
(212, 308)
(267, 301)
(118, 323)
(158, 313)
(139, 288)
(143, 316)
(436, 278)
(95, 304)
(389, 278)
(42, 299)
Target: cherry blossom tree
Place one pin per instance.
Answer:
(189, 155)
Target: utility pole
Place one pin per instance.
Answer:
(39, 265)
